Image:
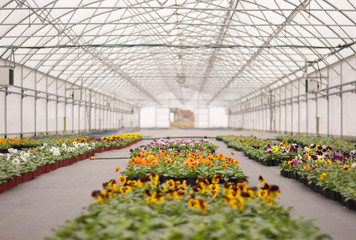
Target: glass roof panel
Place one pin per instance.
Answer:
(223, 50)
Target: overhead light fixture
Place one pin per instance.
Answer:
(180, 79)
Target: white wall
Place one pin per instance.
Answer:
(148, 117)
(218, 117)
(201, 117)
(301, 117)
(214, 117)
(28, 116)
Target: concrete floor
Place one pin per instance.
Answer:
(32, 209)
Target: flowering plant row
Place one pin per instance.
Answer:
(265, 151)
(20, 166)
(146, 209)
(112, 141)
(177, 146)
(181, 159)
(343, 145)
(324, 168)
(18, 143)
(327, 170)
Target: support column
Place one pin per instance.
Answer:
(47, 104)
(35, 107)
(57, 106)
(299, 106)
(328, 105)
(5, 110)
(341, 103)
(21, 110)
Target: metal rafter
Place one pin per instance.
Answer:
(265, 44)
(123, 36)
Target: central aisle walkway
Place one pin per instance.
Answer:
(31, 210)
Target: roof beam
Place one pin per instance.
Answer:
(290, 18)
(219, 40)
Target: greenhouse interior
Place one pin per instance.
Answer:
(177, 119)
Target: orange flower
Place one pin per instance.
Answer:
(224, 165)
(232, 153)
(192, 166)
(155, 163)
(117, 169)
(209, 163)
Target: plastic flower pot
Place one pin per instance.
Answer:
(326, 192)
(163, 179)
(304, 181)
(11, 183)
(52, 166)
(191, 181)
(47, 168)
(38, 170)
(57, 164)
(178, 179)
(25, 177)
(336, 196)
(32, 175)
(3, 187)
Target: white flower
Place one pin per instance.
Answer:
(8, 157)
(56, 153)
(16, 161)
(353, 165)
(25, 154)
(12, 150)
(23, 158)
(71, 149)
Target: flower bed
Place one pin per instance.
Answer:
(145, 209)
(21, 166)
(265, 151)
(182, 159)
(327, 165)
(17, 143)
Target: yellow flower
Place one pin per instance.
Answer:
(154, 179)
(170, 183)
(97, 196)
(184, 183)
(198, 204)
(141, 184)
(216, 178)
(122, 179)
(346, 167)
(192, 202)
(213, 189)
(261, 180)
(124, 189)
(322, 176)
(262, 193)
(241, 203)
(155, 197)
(131, 183)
